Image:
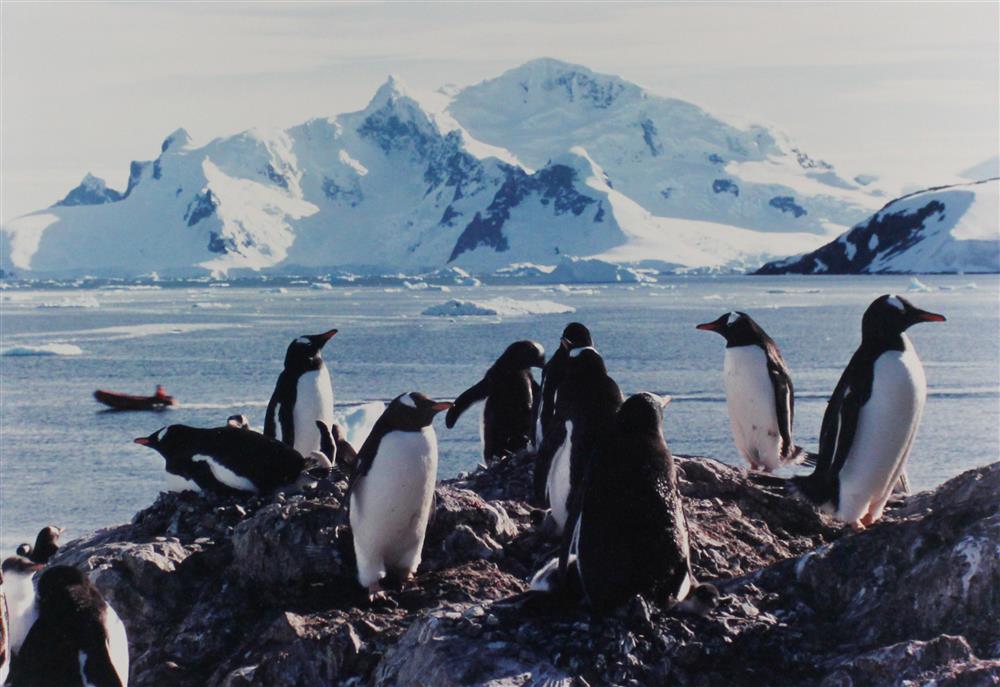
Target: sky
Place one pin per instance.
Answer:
(906, 91)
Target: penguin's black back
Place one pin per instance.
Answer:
(633, 538)
(266, 462)
(71, 615)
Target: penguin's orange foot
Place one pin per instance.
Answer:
(858, 525)
(868, 520)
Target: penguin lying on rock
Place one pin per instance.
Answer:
(630, 534)
(46, 545)
(230, 459)
(510, 392)
(871, 418)
(392, 490)
(74, 637)
(759, 393)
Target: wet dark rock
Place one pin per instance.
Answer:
(260, 591)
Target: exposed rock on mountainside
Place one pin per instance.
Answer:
(261, 592)
(947, 229)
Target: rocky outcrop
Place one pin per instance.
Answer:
(260, 591)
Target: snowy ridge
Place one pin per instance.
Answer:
(546, 161)
(940, 230)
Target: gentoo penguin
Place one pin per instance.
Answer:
(4, 634)
(759, 393)
(238, 421)
(302, 395)
(575, 335)
(46, 544)
(392, 489)
(509, 391)
(19, 595)
(584, 414)
(631, 536)
(872, 417)
(76, 639)
(228, 459)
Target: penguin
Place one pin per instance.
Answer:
(871, 418)
(76, 640)
(4, 635)
(238, 421)
(46, 545)
(509, 391)
(19, 596)
(575, 335)
(759, 393)
(631, 536)
(584, 412)
(302, 395)
(392, 489)
(227, 460)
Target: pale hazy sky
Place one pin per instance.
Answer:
(907, 91)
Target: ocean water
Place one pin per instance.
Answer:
(65, 461)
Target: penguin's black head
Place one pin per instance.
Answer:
(521, 355)
(575, 335)
(303, 353)
(56, 581)
(889, 315)
(642, 412)
(738, 328)
(46, 544)
(412, 412)
(164, 440)
(586, 360)
(238, 421)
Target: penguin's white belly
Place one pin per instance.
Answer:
(886, 427)
(313, 401)
(558, 483)
(391, 505)
(117, 644)
(21, 611)
(750, 401)
(178, 483)
(225, 475)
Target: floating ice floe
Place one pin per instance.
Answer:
(497, 306)
(918, 286)
(71, 303)
(211, 306)
(44, 349)
(321, 286)
(356, 422)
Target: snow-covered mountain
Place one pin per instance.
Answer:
(544, 161)
(946, 229)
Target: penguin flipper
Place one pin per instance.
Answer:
(270, 427)
(551, 441)
(784, 398)
(473, 394)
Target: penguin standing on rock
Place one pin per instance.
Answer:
(4, 634)
(227, 460)
(392, 490)
(46, 545)
(759, 393)
(302, 395)
(510, 392)
(872, 417)
(19, 597)
(631, 536)
(76, 638)
(575, 335)
(584, 414)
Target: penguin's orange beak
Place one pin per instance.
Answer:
(438, 407)
(142, 441)
(709, 326)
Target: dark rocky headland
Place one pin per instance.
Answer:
(260, 591)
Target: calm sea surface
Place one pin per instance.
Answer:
(219, 350)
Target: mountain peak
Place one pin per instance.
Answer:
(176, 140)
(92, 190)
(387, 94)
